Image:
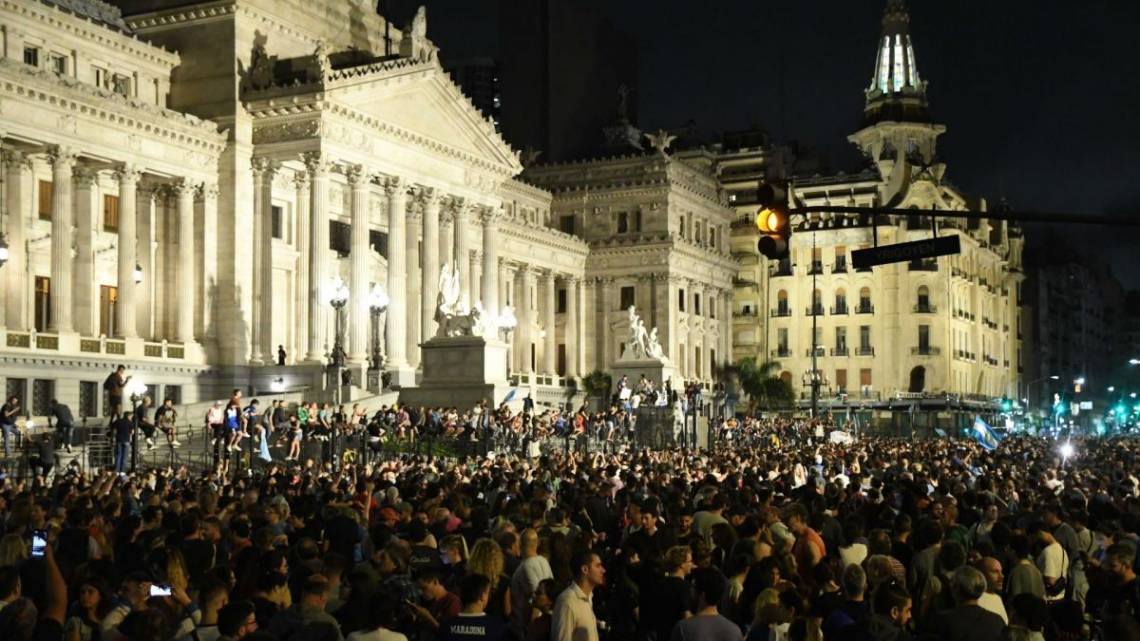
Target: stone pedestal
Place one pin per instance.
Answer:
(656, 371)
(460, 371)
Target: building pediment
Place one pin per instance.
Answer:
(419, 98)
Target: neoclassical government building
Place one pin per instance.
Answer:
(185, 183)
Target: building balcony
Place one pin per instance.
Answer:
(839, 310)
(925, 350)
(964, 355)
(781, 312)
(816, 268)
(819, 351)
(814, 310)
(865, 308)
(865, 350)
(923, 265)
(925, 308)
(782, 352)
(839, 351)
(839, 266)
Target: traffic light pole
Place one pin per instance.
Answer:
(1071, 218)
(815, 378)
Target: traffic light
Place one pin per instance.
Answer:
(773, 222)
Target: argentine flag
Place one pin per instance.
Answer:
(510, 395)
(985, 435)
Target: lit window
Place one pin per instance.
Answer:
(898, 66)
(885, 64)
(913, 66)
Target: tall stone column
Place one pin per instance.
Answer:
(490, 286)
(446, 236)
(413, 279)
(209, 299)
(263, 172)
(128, 176)
(525, 314)
(18, 188)
(184, 192)
(359, 180)
(463, 251)
(86, 215)
(397, 334)
(318, 166)
(475, 269)
(301, 347)
(429, 288)
(62, 162)
(550, 344)
(573, 340)
(605, 356)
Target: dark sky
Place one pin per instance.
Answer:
(1041, 98)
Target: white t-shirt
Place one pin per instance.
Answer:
(1053, 562)
(993, 603)
(379, 634)
(853, 554)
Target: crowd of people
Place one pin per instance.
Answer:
(786, 538)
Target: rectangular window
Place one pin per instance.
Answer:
(627, 297)
(864, 336)
(59, 64)
(697, 360)
(45, 200)
(43, 303)
(697, 304)
(17, 387)
(681, 300)
(566, 224)
(782, 338)
(32, 56)
(841, 380)
(637, 221)
(101, 77)
(561, 302)
(840, 339)
(340, 237)
(378, 241)
(110, 213)
(88, 398)
(276, 222)
(865, 377)
(43, 391)
(712, 308)
(560, 361)
(924, 337)
(622, 222)
(174, 393)
(121, 84)
(108, 298)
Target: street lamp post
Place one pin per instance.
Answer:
(338, 300)
(136, 390)
(378, 302)
(507, 322)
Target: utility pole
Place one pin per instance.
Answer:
(815, 378)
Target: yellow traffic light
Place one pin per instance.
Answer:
(771, 221)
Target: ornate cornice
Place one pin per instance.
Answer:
(92, 32)
(202, 138)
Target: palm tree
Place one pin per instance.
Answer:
(598, 384)
(761, 382)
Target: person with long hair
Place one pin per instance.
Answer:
(87, 612)
(487, 560)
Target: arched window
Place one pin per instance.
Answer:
(782, 308)
(923, 303)
(840, 301)
(865, 306)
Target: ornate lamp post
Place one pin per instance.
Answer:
(507, 322)
(338, 299)
(378, 302)
(136, 390)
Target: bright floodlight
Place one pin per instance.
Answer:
(338, 293)
(507, 320)
(1066, 449)
(378, 300)
(135, 387)
(1055, 377)
(1112, 388)
(29, 424)
(1134, 361)
(1080, 380)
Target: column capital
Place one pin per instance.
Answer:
(263, 166)
(358, 175)
(300, 179)
(182, 187)
(571, 279)
(317, 162)
(549, 276)
(61, 156)
(206, 191)
(128, 174)
(15, 159)
(427, 196)
(459, 206)
(84, 175)
(395, 184)
(490, 215)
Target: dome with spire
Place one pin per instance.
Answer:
(897, 93)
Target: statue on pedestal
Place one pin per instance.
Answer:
(642, 344)
(453, 317)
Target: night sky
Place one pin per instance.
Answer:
(1041, 98)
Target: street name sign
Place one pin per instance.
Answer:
(905, 252)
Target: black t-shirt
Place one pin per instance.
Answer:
(48, 630)
(122, 428)
(666, 605)
(199, 555)
(479, 626)
(4, 418)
